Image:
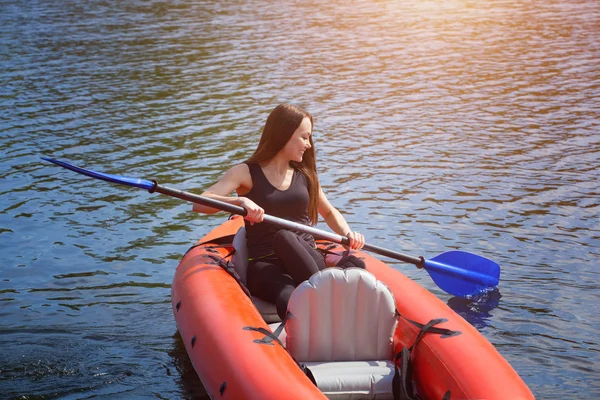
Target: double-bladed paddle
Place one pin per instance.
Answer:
(456, 272)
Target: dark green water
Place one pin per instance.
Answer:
(439, 125)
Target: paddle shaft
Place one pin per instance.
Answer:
(456, 272)
(153, 186)
(318, 233)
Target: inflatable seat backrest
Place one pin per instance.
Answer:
(341, 315)
(240, 256)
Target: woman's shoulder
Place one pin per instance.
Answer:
(242, 174)
(241, 167)
(240, 171)
(247, 166)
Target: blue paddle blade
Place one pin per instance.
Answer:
(123, 180)
(463, 274)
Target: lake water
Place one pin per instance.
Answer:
(439, 125)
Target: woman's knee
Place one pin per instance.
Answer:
(283, 238)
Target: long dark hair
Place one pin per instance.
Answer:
(279, 128)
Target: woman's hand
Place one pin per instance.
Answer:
(254, 214)
(357, 240)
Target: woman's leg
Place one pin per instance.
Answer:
(300, 260)
(269, 281)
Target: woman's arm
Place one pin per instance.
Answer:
(236, 179)
(336, 221)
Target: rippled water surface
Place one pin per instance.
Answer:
(439, 125)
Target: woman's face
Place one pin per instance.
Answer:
(299, 142)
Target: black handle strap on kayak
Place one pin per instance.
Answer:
(403, 387)
(431, 328)
(270, 337)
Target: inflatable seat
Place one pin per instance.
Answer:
(341, 325)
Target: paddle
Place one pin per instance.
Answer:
(456, 272)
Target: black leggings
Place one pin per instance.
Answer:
(274, 278)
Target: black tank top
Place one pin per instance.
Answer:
(290, 204)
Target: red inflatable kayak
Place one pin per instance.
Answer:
(232, 349)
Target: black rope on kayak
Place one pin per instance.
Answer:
(403, 387)
(224, 241)
(281, 326)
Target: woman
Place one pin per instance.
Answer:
(281, 179)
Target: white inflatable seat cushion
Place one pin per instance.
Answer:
(341, 315)
(240, 256)
(354, 379)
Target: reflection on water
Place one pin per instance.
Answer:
(477, 310)
(191, 386)
(438, 126)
